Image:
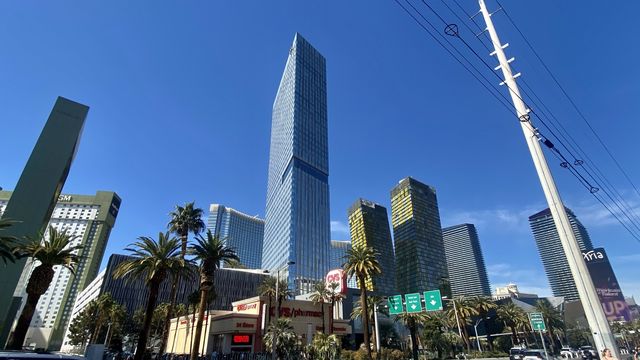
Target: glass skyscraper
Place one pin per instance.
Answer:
(297, 213)
(467, 270)
(369, 227)
(338, 252)
(420, 258)
(240, 231)
(552, 254)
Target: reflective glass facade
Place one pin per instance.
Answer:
(297, 212)
(467, 270)
(240, 231)
(420, 257)
(338, 252)
(369, 226)
(551, 252)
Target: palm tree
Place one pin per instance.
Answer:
(373, 302)
(268, 288)
(56, 249)
(465, 311)
(183, 220)
(280, 335)
(412, 321)
(361, 262)
(154, 261)
(320, 295)
(483, 305)
(7, 242)
(513, 316)
(103, 308)
(211, 252)
(326, 347)
(552, 318)
(333, 296)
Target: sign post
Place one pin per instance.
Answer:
(432, 300)
(537, 323)
(395, 304)
(414, 303)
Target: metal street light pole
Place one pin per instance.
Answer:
(475, 328)
(375, 323)
(455, 311)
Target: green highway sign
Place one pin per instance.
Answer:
(395, 304)
(414, 304)
(432, 300)
(537, 321)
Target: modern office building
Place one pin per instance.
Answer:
(420, 256)
(36, 193)
(369, 227)
(467, 270)
(550, 248)
(297, 223)
(89, 220)
(240, 231)
(230, 285)
(511, 291)
(337, 258)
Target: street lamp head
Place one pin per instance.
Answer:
(291, 263)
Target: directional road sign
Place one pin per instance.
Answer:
(432, 300)
(395, 304)
(414, 304)
(537, 321)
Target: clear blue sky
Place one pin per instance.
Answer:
(181, 95)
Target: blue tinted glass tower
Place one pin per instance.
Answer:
(240, 231)
(297, 213)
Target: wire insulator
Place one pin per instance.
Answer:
(524, 118)
(548, 143)
(452, 30)
(564, 164)
(594, 190)
(578, 162)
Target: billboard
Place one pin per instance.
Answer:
(337, 276)
(606, 284)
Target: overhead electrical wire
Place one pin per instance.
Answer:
(624, 208)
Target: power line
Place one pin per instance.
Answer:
(573, 104)
(451, 29)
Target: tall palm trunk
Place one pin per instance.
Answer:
(514, 336)
(96, 331)
(323, 327)
(365, 315)
(154, 287)
(465, 334)
(196, 341)
(38, 284)
(414, 338)
(172, 305)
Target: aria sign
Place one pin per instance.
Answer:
(337, 276)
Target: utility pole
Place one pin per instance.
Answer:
(590, 302)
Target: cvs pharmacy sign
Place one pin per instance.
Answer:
(337, 276)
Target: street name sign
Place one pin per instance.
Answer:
(433, 300)
(537, 322)
(395, 304)
(414, 304)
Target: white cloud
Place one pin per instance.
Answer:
(339, 228)
(627, 259)
(501, 218)
(593, 214)
(528, 280)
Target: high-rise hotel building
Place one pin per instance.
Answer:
(240, 231)
(297, 224)
(338, 252)
(89, 220)
(552, 254)
(369, 227)
(420, 257)
(467, 270)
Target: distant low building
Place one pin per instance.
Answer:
(511, 291)
(230, 285)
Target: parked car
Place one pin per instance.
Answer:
(568, 353)
(533, 354)
(515, 353)
(589, 349)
